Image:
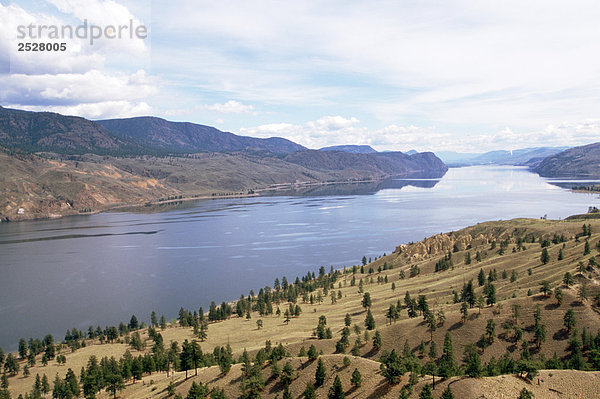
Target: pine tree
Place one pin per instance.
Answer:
(347, 320)
(472, 361)
(447, 394)
(22, 348)
(337, 390)
(370, 321)
(320, 374)
(377, 341)
(426, 392)
(366, 301)
(545, 257)
(356, 379)
(586, 248)
(569, 320)
(558, 294)
(447, 363)
(309, 391)
(481, 277)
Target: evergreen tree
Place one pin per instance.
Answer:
(481, 277)
(11, 365)
(133, 323)
(464, 311)
(377, 341)
(22, 348)
(545, 257)
(558, 294)
(312, 353)
(426, 392)
(586, 248)
(447, 363)
(356, 379)
(472, 361)
(197, 391)
(287, 374)
(568, 279)
(468, 294)
(336, 391)
(447, 394)
(366, 301)
(347, 320)
(370, 321)
(490, 331)
(112, 377)
(309, 391)
(569, 320)
(320, 374)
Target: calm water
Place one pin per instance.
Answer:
(101, 269)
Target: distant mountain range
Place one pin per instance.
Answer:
(51, 132)
(577, 161)
(525, 156)
(184, 137)
(55, 165)
(354, 149)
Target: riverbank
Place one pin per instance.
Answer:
(67, 210)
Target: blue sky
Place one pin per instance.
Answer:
(451, 75)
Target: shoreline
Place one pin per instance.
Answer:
(213, 196)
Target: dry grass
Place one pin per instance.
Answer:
(241, 333)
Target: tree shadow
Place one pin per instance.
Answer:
(455, 326)
(560, 335)
(551, 306)
(381, 391)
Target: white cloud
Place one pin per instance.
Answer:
(98, 110)
(461, 62)
(317, 134)
(75, 81)
(231, 107)
(61, 89)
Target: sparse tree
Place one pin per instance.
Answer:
(568, 279)
(569, 320)
(545, 257)
(337, 390)
(558, 295)
(320, 374)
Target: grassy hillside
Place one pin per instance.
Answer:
(55, 185)
(577, 161)
(505, 248)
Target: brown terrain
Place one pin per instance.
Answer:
(242, 333)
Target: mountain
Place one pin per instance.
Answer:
(411, 152)
(186, 137)
(51, 132)
(354, 149)
(524, 156)
(58, 165)
(378, 164)
(577, 161)
(48, 131)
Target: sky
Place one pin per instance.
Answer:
(468, 76)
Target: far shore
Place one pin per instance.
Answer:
(212, 196)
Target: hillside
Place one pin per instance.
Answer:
(58, 165)
(504, 253)
(524, 156)
(354, 149)
(377, 164)
(48, 131)
(577, 161)
(33, 186)
(185, 137)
